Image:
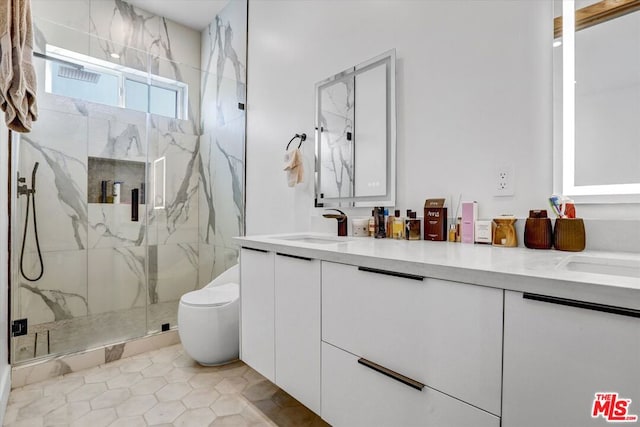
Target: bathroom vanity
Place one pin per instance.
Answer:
(387, 332)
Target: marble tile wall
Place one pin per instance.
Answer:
(222, 139)
(96, 260)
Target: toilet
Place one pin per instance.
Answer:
(208, 320)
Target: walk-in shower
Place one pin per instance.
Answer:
(164, 118)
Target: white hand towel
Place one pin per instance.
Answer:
(17, 75)
(294, 167)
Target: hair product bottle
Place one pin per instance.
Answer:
(116, 192)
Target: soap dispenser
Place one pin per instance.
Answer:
(538, 233)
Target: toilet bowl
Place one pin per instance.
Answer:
(208, 320)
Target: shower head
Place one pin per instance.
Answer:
(78, 74)
(33, 176)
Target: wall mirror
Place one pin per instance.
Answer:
(597, 100)
(356, 135)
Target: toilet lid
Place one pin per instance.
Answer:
(210, 297)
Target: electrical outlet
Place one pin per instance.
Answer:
(505, 178)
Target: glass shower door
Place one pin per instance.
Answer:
(81, 281)
(117, 232)
(50, 219)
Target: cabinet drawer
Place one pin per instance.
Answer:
(446, 335)
(355, 395)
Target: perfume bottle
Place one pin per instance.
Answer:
(381, 233)
(372, 223)
(413, 228)
(389, 223)
(406, 224)
(398, 226)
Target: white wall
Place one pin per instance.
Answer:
(473, 91)
(5, 368)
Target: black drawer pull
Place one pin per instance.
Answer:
(583, 304)
(391, 273)
(391, 374)
(255, 249)
(294, 256)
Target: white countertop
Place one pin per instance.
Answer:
(518, 269)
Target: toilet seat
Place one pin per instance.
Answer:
(209, 320)
(212, 297)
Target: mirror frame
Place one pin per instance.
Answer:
(389, 198)
(564, 149)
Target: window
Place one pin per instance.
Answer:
(79, 76)
(137, 95)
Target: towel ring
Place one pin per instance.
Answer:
(303, 137)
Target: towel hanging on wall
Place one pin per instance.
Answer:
(17, 75)
(293, 162)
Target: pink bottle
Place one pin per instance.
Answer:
(469, 215)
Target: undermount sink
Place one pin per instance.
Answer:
(312, 239)
(601, 265)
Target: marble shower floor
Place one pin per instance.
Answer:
(81, 333)
(164, 387)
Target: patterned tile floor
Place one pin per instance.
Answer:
(164, 387)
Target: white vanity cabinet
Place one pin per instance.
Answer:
(280, 321)
(357, 333)
(257, 336)
(297, 328)
(559, 353)
(445, 335)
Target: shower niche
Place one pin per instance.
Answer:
(103, 173)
